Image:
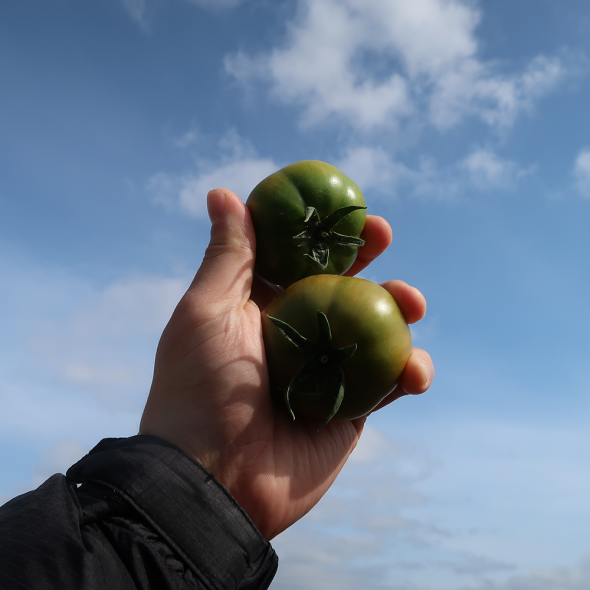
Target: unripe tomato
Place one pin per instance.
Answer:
(359, 313)
(308, 218)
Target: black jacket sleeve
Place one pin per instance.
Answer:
(133, 514)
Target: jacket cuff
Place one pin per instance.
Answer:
(186, 505)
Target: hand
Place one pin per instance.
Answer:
(210, 393)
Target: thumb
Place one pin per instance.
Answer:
(225, 277)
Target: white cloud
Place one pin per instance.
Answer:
(57, 459)
(480, 516)
(482, 170)
(472, 88)
(345, 541)
(237, 168)
(373, 168)
(240, 169)
(582, 173)
(317, 560)
(373, 445)
(240, 176)
(105, 345)
(486, 170)
(77, 362)
(562, 578)
(140, 305)
(137, 11)
(374, 63)
(96, 343)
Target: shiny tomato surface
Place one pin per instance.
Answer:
(279, 206)
(359, 312)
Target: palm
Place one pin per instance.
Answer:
(275, 467)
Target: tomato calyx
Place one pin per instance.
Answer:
(319, 234)
(322, 364)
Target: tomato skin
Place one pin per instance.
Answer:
(358, 311)
(277, 206)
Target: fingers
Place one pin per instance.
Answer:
(418, 374)
(225, 276)
(419, 371)
(416, 378)
(377, 236)
(411, 302)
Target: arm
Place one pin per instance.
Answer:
(217, 470)
(145, 516)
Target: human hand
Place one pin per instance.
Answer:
(210, 393)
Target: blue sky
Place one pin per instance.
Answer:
(464, 123)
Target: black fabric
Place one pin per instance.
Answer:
(133, 514)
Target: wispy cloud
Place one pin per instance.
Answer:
(75, 345)
(237, 167)
(137, 11)
(563, 578)
(486, 170)
(372, 63)
(376, 171)
(77, 360)
(105, 344)
(402, 516)
(582, 173)
(345, 541)
(55, 458)
(482, 169)
(373, 168)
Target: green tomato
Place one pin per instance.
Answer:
(344, 366)
(308, 218)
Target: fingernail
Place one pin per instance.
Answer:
(216, 205)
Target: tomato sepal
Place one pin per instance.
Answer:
(322, 363)
(319, 234)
